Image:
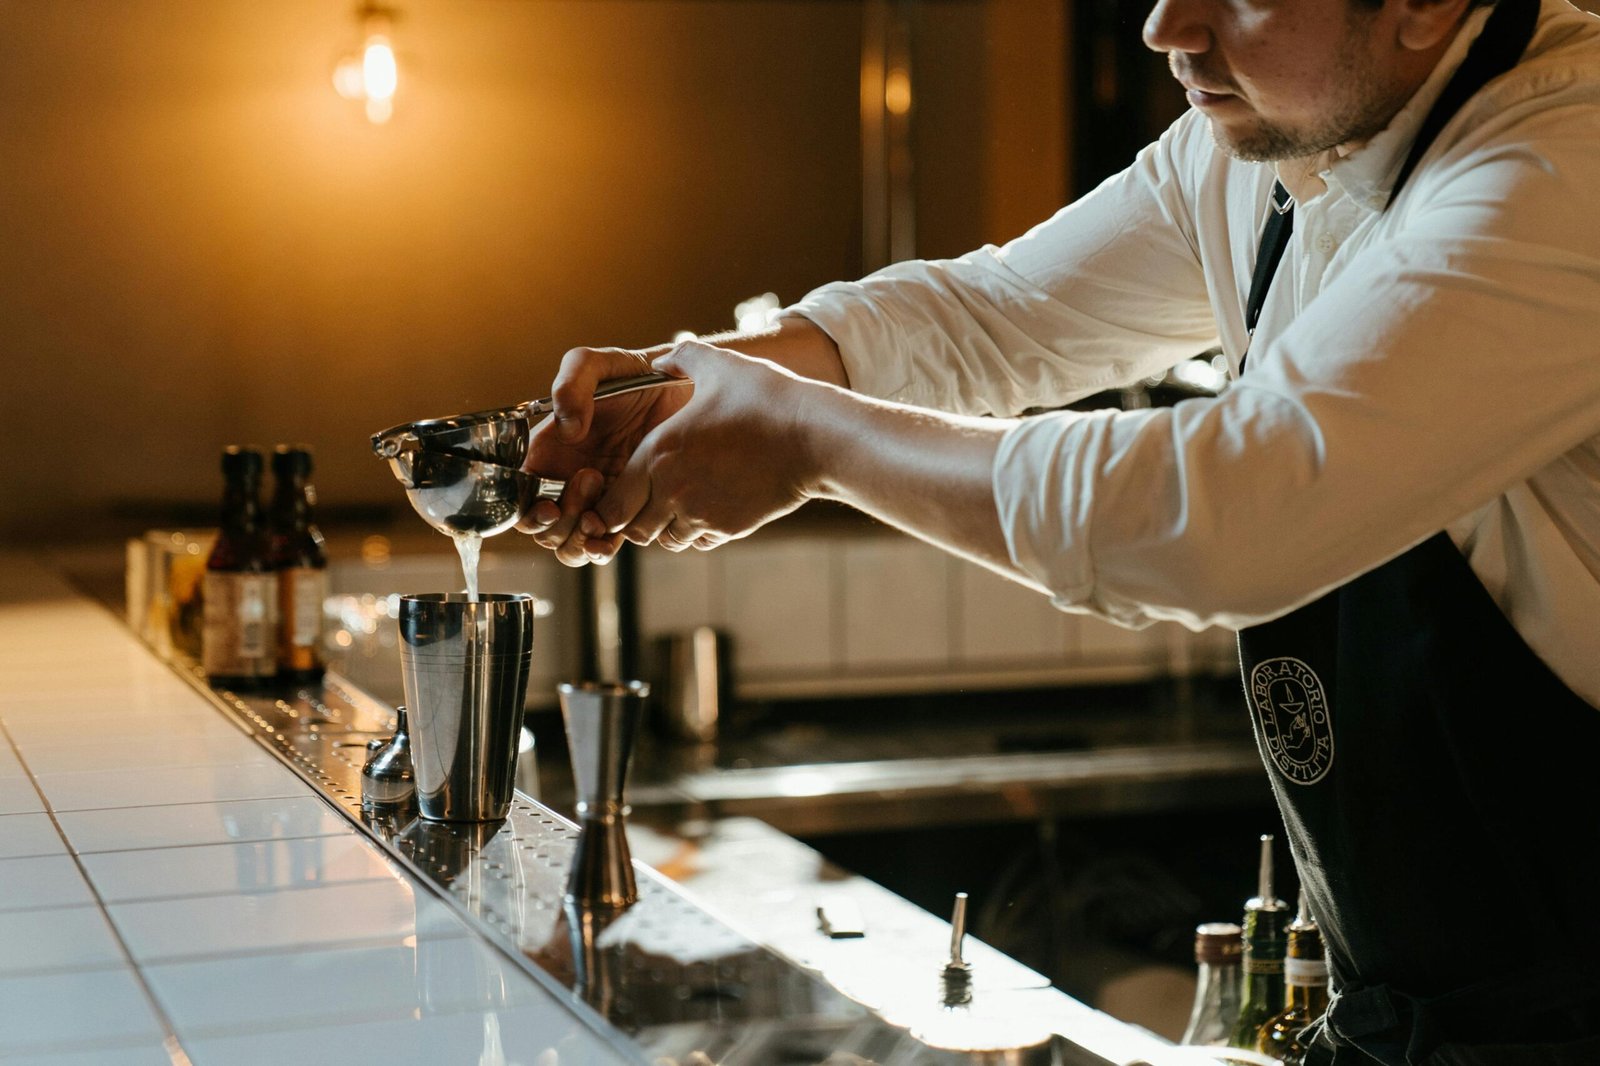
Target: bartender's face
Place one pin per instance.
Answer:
(1280, 79)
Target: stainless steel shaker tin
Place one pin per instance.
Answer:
(465, 665)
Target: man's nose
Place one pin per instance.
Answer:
(1178, 26)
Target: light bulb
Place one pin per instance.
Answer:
(373, 74)
(379, 74)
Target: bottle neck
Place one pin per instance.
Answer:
(1265, 945)
(291, 504)
(1217, 981)
(241, 506)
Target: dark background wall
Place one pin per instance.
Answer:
(204, 244)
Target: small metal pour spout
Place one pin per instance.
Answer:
(956, 977)
(602, 720)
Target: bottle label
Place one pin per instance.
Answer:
(239, 638)
(1262, 966)
(303, 589)
(1305, 973)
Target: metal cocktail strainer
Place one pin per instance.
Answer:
(463, 474)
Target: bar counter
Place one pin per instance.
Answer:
(173, 888)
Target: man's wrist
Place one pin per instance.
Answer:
(818, 449)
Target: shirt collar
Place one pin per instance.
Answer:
(1366, 172)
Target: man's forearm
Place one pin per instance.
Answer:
(795, 344)
(925, 472)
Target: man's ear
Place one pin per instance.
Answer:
(1425, 24)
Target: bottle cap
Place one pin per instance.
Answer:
(1216, 942)
(289, 460)
(237, 461)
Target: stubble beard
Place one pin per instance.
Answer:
(1364, 109)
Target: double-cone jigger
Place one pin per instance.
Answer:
(602, 721)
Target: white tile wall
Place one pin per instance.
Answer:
(178, 892)
(781, 599)
(898, 605)
(500, 569)
(843, 613)
(1001, 622)
(830, 612)
(685, 590)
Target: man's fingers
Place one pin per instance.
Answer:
(646, 526)
(581, 372)
(580, 494)
(573, 391)
(601, 550)
(678, 535)
(542, 514)
(624, 498)
(706, 541)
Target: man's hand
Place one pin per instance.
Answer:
(730, 462)
(587, 444)
(755, 438)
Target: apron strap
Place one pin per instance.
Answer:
(1274, 239)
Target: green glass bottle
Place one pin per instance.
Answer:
(1265, 920)
(1305, 978)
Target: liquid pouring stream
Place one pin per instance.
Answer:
(469, 546)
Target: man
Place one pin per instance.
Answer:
(1396, 502)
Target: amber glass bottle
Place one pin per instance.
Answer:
(295, 553)
(239, 639)
(1305, 979)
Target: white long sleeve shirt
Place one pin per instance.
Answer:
(1432, 366)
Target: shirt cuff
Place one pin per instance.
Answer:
(864, 332)
(1037, 479)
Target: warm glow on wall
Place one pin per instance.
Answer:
(371, 74)
(897, 91)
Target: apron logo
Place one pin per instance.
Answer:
(1293, 710)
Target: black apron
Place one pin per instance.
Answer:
(1439, 784)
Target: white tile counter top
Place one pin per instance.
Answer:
(171, 893)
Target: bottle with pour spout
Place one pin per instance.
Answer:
(1305, 977)
(1265, 919)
